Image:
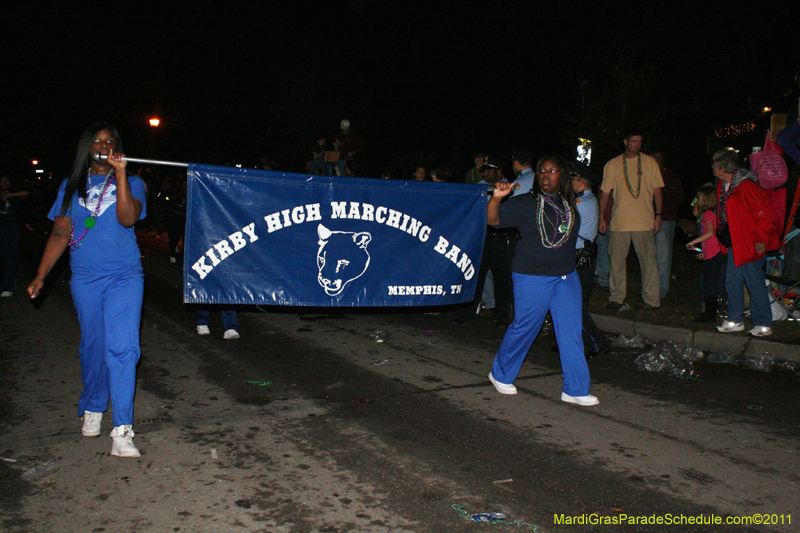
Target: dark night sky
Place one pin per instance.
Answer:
(231, 83)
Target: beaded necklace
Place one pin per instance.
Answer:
(90, 221)
(563, 224)
(635, 193)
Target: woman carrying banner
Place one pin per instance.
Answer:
(94, 215)
(543, 272)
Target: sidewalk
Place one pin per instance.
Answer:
(735, 344)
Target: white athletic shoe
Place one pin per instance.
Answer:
(6, 294)
(585, 401)
(730, 327)
(203, 330)
(502, 388)
(760, 331)
(91, 424)
(122, 443)
(231, 334)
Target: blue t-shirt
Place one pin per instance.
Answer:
(109, 246)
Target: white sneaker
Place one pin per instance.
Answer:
(91, 424)
(172, 259)
(6, 294)
(203, 330)
(729, 327)
(502, 388)
(231, 334)
(122, 443)
(580, 400)
(760, 331)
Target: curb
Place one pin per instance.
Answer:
(731, 343)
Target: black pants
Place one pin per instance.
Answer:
(498, 251)
(594, 341)
(176, 229)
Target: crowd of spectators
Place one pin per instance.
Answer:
(639, 198)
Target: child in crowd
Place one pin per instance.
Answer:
(713, 253)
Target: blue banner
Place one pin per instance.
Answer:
(262, 237)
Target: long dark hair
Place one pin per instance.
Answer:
(565, 187)
(77, 179)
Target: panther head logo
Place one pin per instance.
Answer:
(341, 258)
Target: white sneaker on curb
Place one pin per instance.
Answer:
(6, 294)
(729, 327)
(122, 443)
(585, 401)
(203, 330)
(91, 424)
(760, 331)
(502, 388)
(231, 334)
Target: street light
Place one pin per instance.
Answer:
(154, 122)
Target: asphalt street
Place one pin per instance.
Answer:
(307, 423)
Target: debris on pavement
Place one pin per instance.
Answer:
(767, 362)
(676, 360)
(637, 341)
(761, 362)
(764, 362)
(790, 366)
(40, 471)
(720, 357)
(488, 517)
(493, 518)
(258, 382)
(382, 362)
(379, 336)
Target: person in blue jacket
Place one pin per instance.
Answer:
(94, 215)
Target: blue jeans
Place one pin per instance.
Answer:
(488, 291)
(752, 275)
(664, 244)
(787, 139)
(603, 261)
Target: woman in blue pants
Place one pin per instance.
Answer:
(94, 215)
(544, 277)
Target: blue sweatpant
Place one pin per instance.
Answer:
(533, 297)
(230, 320)
(109, 312)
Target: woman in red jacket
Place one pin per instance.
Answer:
(746, 226)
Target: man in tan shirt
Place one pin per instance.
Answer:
(635, 181)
